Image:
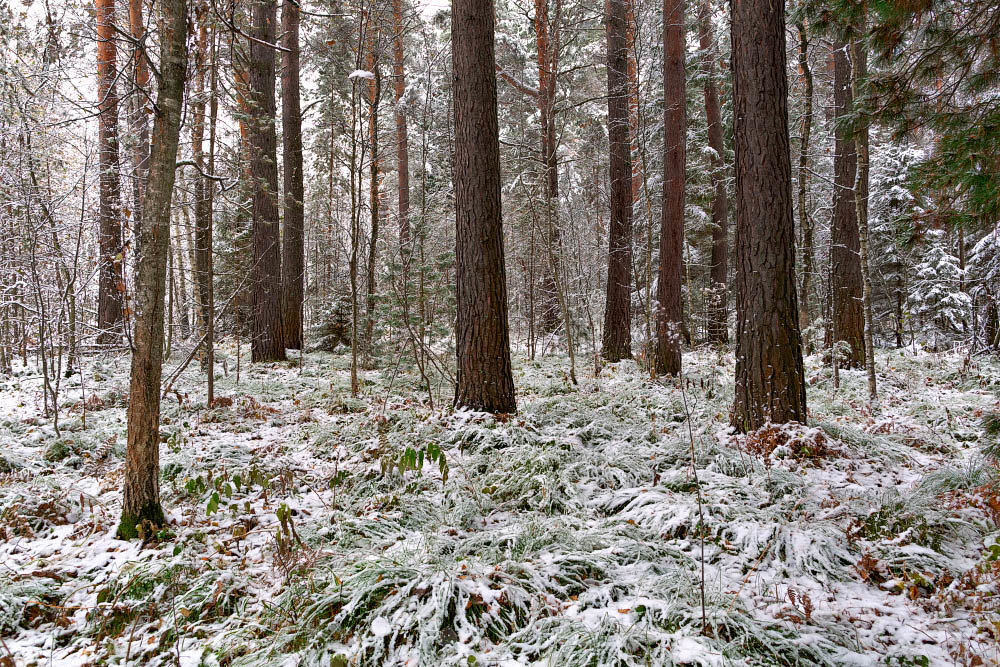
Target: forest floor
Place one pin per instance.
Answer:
(618, 522)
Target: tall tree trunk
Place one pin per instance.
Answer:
(267, 343)
(140, 118)
(202, 206)
(209, 232)
(241, 88)
(718, 330)
(239, 59)
(859, 62)
(182, 288)
(141, 508)
(770, 383)
(640, 180)
(402, 144)
(617, 340)
(670, 312)
(374, 202)
(111, 285)
(632, 69)
(293, 241)
(845, 254)
(484, 378)
(352, 262)
(544, 39)
(805, 220)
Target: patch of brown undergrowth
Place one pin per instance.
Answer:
(788, 441)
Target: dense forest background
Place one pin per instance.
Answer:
(932, 202)
(381, 333)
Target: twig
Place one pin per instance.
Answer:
(218, 317)
(701, 516)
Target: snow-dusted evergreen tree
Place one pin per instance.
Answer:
(984, 271)
(891, 207)
(937, 297)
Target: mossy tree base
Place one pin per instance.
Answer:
(150, 516)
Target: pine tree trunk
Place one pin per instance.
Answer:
(140, 120)
(617, 340)
(374, 169)
(182, 289)
(402, 144)
(209, 233)
(770, 383)
(670, 312)
(484, 379)
(293, 241)
(632, 70)
(805, 220)
(141, 508)
(110, 285)
(718, 331)
(267, 343)
(202, 205)
(845, 253)
(546, 99)
(859, 62)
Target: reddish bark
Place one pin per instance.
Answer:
(267, 343)
(718, 331)
(845, 247)
(617, 340)
(293, 240)
(670, 312)
(374, 176)
(202, 205)
(484, 379)
(111, 284)
(402, 144)
(770, 383)
(546, 38)
(631, 29)
(805, 220)
(140, 118)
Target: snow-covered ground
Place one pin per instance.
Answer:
(617, 522)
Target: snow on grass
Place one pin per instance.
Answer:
(307, 527)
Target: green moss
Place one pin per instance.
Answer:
(128, 527)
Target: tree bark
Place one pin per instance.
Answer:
(859, 62)
(718, 330)
(402, 143)
(213, 115)
(374, 176)
(140, 120)
(545, 39)
(267, 343)
(141, 508)
(484, 379)
(617, 340)
(293, 241)
(202, 205)
(632, 69)
(805, 220)
(770, 383)
(845, 251)
(110, 285)
(670, 310)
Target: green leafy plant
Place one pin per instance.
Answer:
(411, 459)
